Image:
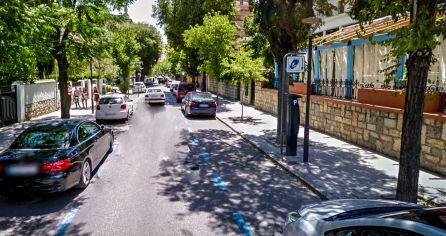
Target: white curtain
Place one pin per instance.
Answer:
(358, 64)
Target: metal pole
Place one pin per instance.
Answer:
(308, 102)
(91, 85)
(282, 93)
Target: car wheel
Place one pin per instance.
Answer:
(85, 178)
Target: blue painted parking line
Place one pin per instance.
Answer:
(204, 155)
(196, 140)
(219, 181)
(65, 223)
(240, 221)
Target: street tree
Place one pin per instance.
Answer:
(417, 43)
(149, 39)
(281, 23)
(76, 27)
(24, 31)
(177, 16)
(243, 68)
(214, 41)
(123, 48)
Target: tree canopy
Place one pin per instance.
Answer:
(214, 41)
(151, 46)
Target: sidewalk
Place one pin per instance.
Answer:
(336, 169)
(9, 133)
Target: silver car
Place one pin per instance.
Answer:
(355, 217)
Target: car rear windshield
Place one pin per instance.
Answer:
(110, 101)
(154, 90)
(433, 217)
(43, 138)
(203, 95)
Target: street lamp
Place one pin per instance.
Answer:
(311, 21)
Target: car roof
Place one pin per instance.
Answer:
(330, 209)
(113, 96)
(71, 123)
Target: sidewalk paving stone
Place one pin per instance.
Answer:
(336, 169)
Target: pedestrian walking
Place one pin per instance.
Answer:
(96, 95)
(69, 95)
(84, 98)
(76, 94)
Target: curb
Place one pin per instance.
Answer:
(282, 166)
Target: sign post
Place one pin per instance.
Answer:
(294, 62)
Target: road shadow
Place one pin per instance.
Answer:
(254, 187)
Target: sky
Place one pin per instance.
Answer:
(141, 11)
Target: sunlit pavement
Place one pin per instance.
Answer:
(168, 175)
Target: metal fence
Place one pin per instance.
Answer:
(8, 105)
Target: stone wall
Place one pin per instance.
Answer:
(40, 108)
(377, 128)
(266, 99)
(223, 88)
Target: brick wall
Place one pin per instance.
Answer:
(39, 108)
(223, 88)
(376, 128)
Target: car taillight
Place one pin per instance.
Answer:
(60, 165)
(123, 106)
(214, 104)
(193, 104)
(147, 95)
(2, 167)
(98, 107)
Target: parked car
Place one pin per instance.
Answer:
(168, 83)
(155, 95)
(182, 89)
(54, 156)
(174, 86)
(114, 107)
(149, 82)
(366, 217)
(139, 87)
(116, 90)
(199, 103)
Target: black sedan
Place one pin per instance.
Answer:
(199, 103)
(54, 156)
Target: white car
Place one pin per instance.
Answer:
(155, 95)
(139, 87)
(114, 107)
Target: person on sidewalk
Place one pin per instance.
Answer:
(69, 95)
(84, 98)
(96, 95)
(76, 97)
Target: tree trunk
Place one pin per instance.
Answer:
(409, 166)
(62, 63)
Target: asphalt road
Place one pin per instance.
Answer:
(168, 175)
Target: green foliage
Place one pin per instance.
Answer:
(243, 68)
(151, 45)
(214, 41)
(24, 34)
(123, 50)
(257, 42)
(280, 22)
(177, 16)
(164, 67)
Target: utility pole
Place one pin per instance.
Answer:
(91, 85)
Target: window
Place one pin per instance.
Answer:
(370, 231)
(86, 130)
(48, 137)
(154, 90)
(110, 100)
(203, 95)
(433, 217)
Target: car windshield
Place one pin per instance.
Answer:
(110, 100)
(202, 95)
(48, 137)
(154, 90)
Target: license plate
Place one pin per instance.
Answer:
(109, 114)
(204, 105)
(22, 170)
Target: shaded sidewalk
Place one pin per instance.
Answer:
(336, 169)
